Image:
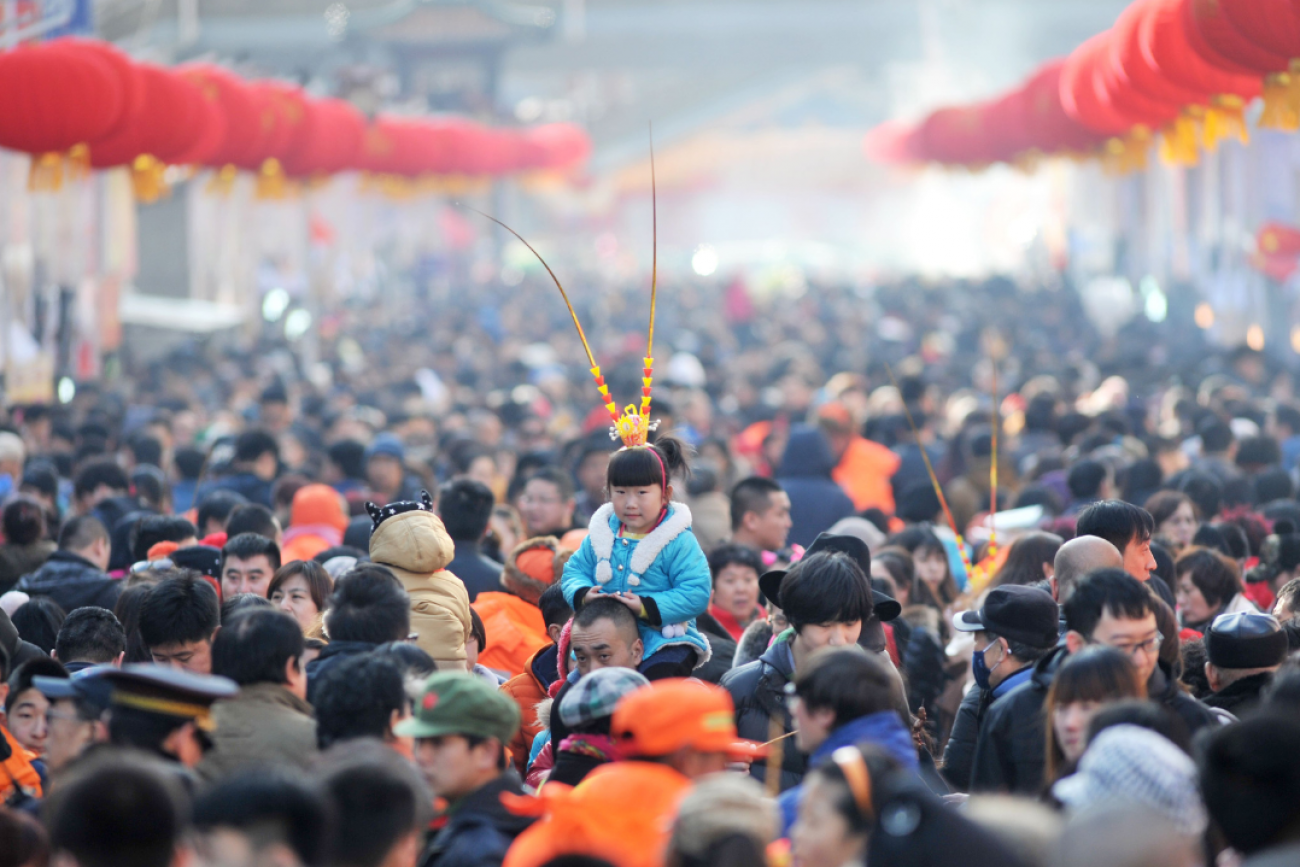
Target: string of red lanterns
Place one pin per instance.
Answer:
(1177, 72)
(81, 103)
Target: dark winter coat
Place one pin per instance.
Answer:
(753, 643)
(73, 582)
(758, 690)
(119, 536)
(117, 514)
(926, 666)
(1241, 696)
(476, 572)
(816, 501)
(480, 829)
(724, 649)
(19, 560)
(249, 486)
(1011, 750)
(578, 756)
(959, 753)
(1165, 689)
(917, 829)
(328, 658)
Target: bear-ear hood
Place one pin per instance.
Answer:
(414, 541)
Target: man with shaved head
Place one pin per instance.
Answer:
(1077, 558)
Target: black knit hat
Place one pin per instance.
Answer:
(201, 558)
(379, 514)
(1245, 640)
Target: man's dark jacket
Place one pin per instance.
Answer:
(72, 581)
(1164, 688)
(724, 649)
(758, 690)
(1010, 752)
(330, 657)
(478, 573)
(959, 754)
(480, 828)
(1240, 696)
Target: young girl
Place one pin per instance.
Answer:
(641, 552)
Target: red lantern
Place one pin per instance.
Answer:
(53, 98)
(209, 122)
(1051, 129)
(166, 126)
(330, 142)
(891, 142)
(394, 146)
(284, 117)
(245, 128)
(955, 136)
(133, 95)
(1131, 67)
(557, 145)
(1274, 25)
(1210, 29)
(1082, 94)
(457, 147)
(1165, 42)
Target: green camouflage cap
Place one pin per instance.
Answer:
(458, 703)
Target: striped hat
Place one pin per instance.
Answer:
(1128, 762)
(595, 695)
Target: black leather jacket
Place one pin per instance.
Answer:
(758, 689)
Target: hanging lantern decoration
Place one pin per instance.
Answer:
(1054, 130)
(241, 110)
(330, 142)
(54, 98)
(1128, 74)
(556, 146)
(283, 113)
(1273, 25)
(1277, 250)
(892, 142)
(1169, 47)
(1085, 98)
(82, 103)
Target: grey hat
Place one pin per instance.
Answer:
(597, 694)
(1127, 762)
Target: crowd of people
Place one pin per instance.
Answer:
(897, 579)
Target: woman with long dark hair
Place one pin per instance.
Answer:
(1086, 682)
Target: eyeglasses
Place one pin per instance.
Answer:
(529, 500)
(1150, 647)
(52, 715)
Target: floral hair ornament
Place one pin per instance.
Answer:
(633, 425)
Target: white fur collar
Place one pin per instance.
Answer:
(647, 549)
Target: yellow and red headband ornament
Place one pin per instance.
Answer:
(632, 426)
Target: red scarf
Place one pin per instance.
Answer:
(728, 620)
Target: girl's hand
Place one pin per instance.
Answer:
(631, 600)
(596, 590)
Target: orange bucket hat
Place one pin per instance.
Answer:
(671, 714)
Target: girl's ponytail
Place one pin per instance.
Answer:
(675, 454)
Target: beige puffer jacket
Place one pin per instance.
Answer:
(415, 545)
